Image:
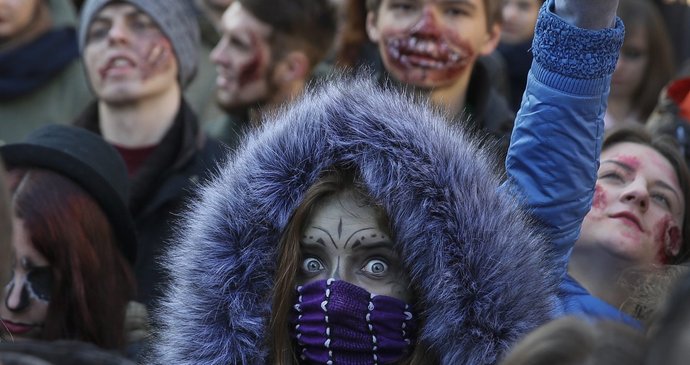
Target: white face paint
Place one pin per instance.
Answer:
(343, 239)
(27, 295)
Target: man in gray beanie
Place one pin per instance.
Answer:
(139, 55)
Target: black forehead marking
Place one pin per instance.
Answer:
(329, 235)
(354, 233)
(340, 228)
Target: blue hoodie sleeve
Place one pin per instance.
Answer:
(553, 157)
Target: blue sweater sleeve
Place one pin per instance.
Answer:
(553, 156)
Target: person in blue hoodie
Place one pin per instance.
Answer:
(359, 227)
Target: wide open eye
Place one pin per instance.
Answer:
(312, 265)
(376, 267)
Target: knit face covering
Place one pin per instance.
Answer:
(335, 322)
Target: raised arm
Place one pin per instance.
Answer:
(555, 145)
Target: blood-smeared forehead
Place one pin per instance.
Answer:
(632, 162)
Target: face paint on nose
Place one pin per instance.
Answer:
(427, 54)
(37, 285)
(23, 297)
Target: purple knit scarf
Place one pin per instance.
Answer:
(335, 322)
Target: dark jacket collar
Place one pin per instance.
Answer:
(175, 151)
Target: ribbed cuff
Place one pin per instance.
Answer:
(574, 52)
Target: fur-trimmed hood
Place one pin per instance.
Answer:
(483, 277)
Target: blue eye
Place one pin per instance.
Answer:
(312, 265)
(375, 267)
(662, 199)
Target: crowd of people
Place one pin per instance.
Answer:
(344, 182)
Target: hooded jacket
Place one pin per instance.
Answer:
(483, 278)
(454, 229)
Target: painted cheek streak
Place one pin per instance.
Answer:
(599, 201)
(251, 70)
(157, 57)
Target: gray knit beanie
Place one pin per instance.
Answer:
(176, 19)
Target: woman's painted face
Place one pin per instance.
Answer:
(638, 208)
(519, 18)
(127, 56)
(632, 64)
(15, 16)
(344, 240)
(27, 295)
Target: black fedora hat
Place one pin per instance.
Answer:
(88, 160)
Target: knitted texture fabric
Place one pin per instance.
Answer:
(338, 322)
(176, 19)
(575, 52)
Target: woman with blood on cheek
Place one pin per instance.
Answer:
(637, 219)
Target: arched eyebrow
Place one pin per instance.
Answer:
(374, 245)
(623, 165)
(354, 233)
(327, 233)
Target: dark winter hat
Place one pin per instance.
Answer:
(175, 18)
(88, 160)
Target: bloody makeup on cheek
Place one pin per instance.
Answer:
(156, 57)
(250, 71)
(668, 236)
(427, 52)
(599, 201)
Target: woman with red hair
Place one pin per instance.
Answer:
(73, 237)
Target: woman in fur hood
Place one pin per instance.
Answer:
(358, 227)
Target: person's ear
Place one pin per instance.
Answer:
(293, 66)
(493, 36)
(372, 28)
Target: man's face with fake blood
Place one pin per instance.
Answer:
(638, 207)
(431, 43)
(127, 57)
(243, 59)
(27, 296)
